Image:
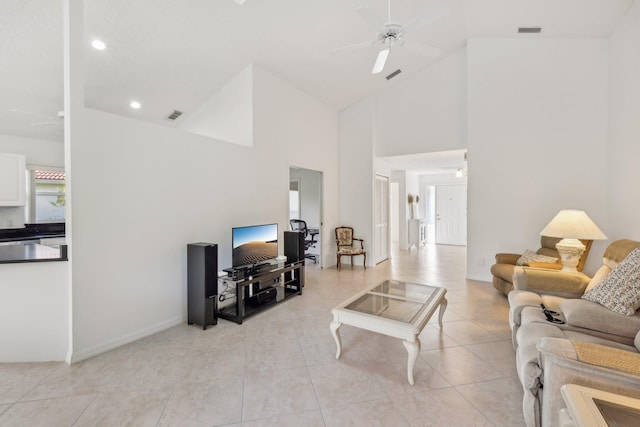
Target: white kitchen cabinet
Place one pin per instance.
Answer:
(13, 188)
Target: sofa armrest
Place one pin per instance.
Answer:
(593, 316)
(559, 363)
(550, 282)
(504, 258)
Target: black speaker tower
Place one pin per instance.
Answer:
(294, 246)
(202, 284)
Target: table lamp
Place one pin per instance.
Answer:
(572, 225)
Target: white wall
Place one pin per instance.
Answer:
(140, 192)
(425, 112)
(228, 114)
(34, 312)
(537, 129)
(355, 153)
(624, 141)
(132, 223)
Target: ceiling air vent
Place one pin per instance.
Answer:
(175, 115)
(392, 75)
(529, 30)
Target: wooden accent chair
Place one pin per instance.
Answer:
(346, 246)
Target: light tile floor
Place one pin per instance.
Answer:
(279, 367)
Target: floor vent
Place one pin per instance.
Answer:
(175, 115)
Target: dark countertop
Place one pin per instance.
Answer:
(33, 232)
(31, 252)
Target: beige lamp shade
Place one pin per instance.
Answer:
(573, 224)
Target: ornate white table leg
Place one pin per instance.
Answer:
(443, 307)
(336, 336)
(413, 348)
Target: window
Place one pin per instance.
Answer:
(294, 199)
(46, 196)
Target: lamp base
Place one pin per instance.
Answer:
(570, 251)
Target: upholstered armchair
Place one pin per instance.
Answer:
(347, 246)
(506, 263)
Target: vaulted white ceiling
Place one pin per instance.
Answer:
(175, 54)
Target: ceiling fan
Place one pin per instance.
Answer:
(393, 34)
(47, 120)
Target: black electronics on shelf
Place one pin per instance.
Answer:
(202, 284)
(269, 285)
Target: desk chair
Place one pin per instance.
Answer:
(309, 237)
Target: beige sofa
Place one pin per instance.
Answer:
(505, 266)
(549, 354)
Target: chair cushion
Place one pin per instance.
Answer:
(531, 256)
(344, 236)
(620, 290)
(350, 251)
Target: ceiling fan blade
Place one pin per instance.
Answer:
(353, 46)
(371, 17)
(44, 123)
(423, 49)
(428, 19)
(15, 110)
(378, 66)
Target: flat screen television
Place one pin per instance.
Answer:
(254, 244)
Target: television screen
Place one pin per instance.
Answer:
(254, 244)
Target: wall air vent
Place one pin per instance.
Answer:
(175, 115)
(392, 75)
(529, 30)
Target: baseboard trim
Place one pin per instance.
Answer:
(479, 278)
(81, 355)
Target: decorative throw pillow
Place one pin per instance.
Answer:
(620, 290)
(600, 275)
(530, 256)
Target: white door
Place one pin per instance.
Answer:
(381, 219)
(451, 214)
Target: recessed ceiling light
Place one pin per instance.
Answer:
(135, 104)
(98, 44)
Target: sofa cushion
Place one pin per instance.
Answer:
(593, 316)
(620, 290)
(531, 256)
(600, 275)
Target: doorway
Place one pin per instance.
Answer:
(381, 219)
(451, 215)
(305, 203)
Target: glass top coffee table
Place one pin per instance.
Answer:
(394, 308)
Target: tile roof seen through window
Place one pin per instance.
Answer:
(50, 175)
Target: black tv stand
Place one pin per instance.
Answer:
(264, 287)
